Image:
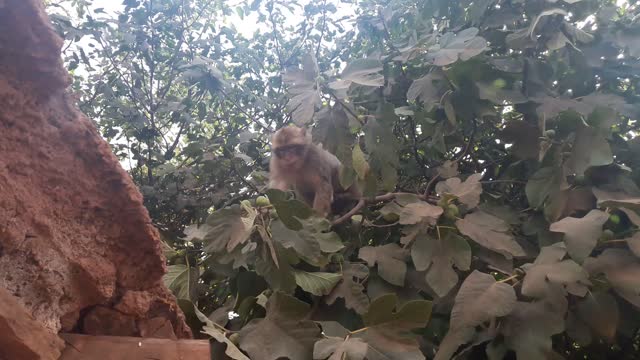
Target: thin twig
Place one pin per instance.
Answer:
(614, 241)
(387, 36)
(503, 181)
(383, 225)
(275, 35)
(414, 136)
(351, 212)
(430, 183)
(358, 331)
(466, 149)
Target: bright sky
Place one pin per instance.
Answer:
(246, 26)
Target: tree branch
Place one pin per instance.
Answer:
(466, 149)
(361, 203)
(275, 35)
(385, 197)
(343, 105)
(414, 138)
(387, 36)
(176, 140)
(324, 24)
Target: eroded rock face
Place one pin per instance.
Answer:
(22, 337)
(75, 238)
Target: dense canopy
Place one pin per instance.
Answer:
(495, 140)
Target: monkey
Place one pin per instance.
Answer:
(312, 171)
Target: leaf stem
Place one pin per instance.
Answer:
(447, 227)
(358, 331)
(509, 278)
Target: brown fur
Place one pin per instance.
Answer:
(313, 173)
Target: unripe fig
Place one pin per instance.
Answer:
(614, 218)
(391, 217)
(262, 201)
(452, 211)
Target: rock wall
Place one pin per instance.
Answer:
(77, 248)
(22, 337)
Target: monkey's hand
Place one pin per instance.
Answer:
(278, 184)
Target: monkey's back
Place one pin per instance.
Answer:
(325, 164)
(343, 199)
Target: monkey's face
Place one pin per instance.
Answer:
(290, 147)
(290, 155)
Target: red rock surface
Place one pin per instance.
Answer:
(22, 337)
(77, 247)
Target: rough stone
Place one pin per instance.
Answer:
(74, 234)
(105, 321)
(22, 337)
(157, 327)
(134, 302)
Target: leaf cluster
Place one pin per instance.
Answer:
(495, 142)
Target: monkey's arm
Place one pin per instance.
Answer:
(323, 195)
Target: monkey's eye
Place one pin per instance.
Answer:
(279, 152)
(293, 149)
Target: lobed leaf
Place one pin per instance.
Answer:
(217, 334)
(479, 299)
(491, 232)
(621, 269)
(529, 328)
(438, 256)
(549, 268)
(284, 332)
(390, 259)
(364, 72)
(388, 331)
(428, 89)
(581, 234)
(182, 281)
(228, 228)
(316, 283)
(464, 45)
(350, 288)
(467, 192)
(419, 212)
(338, 349)
(290, 211)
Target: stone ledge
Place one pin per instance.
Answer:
(86, 347)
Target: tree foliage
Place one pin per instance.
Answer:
(495, 141)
